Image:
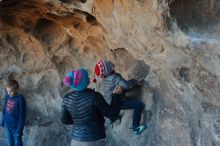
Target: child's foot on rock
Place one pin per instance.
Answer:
(138, 130)
(117, 121)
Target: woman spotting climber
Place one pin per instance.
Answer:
(85, 110)
(105, 70)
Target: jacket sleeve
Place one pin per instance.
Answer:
(22, 115)
(108, 111)
(3, 112)
(124, 83)
(65, 115)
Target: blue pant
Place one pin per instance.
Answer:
(137, 106)
(13, 138)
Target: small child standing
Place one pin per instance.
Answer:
(14, 114)
(105, 70)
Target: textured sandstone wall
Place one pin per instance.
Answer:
(173, 44)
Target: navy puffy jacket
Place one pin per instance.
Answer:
(85, 110)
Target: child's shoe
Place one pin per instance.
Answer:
(138, 130)
(116, 121)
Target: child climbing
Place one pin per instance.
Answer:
(14, 114)
(105, 70)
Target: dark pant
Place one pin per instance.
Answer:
(13, 138)
(88, 143)
(137, 106)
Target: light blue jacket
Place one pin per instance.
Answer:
(115, 79)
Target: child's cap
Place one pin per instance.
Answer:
(77, 79)
(103, 69)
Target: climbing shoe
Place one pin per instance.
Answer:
(138, 130)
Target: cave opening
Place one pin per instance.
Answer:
(197, 17)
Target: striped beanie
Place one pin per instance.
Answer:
(77, 79)
(103, 69)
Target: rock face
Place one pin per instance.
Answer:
(173, 44)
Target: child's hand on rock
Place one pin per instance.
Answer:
(140, 82)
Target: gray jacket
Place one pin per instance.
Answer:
(110, 83)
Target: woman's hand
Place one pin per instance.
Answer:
(118, 90)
